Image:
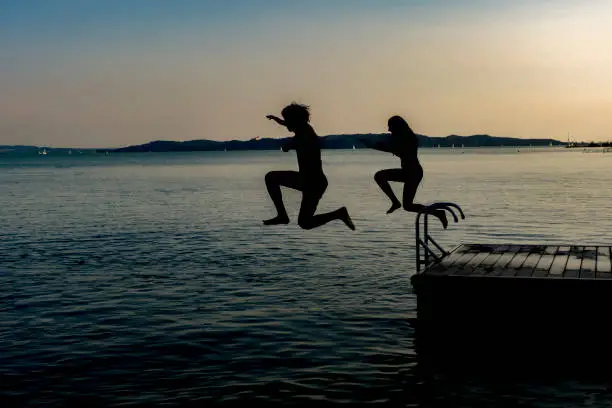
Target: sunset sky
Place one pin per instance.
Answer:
(108, 73)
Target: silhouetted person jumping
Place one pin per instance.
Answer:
(404, 144)
(310, 179)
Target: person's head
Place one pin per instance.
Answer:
(295, 115)
(398, 126)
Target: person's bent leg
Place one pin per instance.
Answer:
(308, 220)
(274, 181)
(314, 221)
(382, 178)
(410, 189)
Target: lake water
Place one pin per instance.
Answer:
(148, 278)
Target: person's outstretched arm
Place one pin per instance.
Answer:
(383, 147)
(289, 144)
(276, 119)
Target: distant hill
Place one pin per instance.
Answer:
(331, 142)
(346, 141)
(18, 149)
(21, 150)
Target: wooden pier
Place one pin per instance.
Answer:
(507, 304)
(525, 261)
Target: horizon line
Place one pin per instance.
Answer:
(286, 137)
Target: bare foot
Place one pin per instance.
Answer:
(394, 207)
(442, 217)
(347, 218)
(278, 220)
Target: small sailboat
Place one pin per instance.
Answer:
(354, 148)
(43, 152)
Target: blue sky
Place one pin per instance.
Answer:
(111, 73)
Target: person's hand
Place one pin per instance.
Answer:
(271, 117)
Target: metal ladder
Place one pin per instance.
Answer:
(432, 251)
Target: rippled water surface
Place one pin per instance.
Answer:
(149, 279)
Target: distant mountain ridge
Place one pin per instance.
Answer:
(345, 141)
(35, 150)
(342, 141)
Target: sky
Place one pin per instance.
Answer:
(109, 73)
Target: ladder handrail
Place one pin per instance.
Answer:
(423, 242)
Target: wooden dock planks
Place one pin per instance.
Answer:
(559, 262)
(505, 259)
(531, 261)
(456, 259)
(527, 261)
(546, 261)
(487, 266)
(574, 262)
(589, 262)
(603, 264)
